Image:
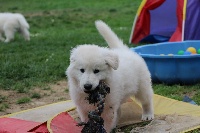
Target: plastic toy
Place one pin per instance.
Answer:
(198, 51)
(192, 50)
(181, 52)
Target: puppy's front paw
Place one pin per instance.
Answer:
(146, 117)
(7, 40)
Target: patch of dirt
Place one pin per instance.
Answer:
(52, 94)
(46, 13)
(172, 123)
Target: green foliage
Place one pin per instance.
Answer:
(23, 100)
(3, 106)
(67, 90)
(2, 99)
(36, 95)
(178, 91)
(47, 88)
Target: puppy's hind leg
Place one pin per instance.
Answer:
(1, 37)
(9, 33)
(145, 96)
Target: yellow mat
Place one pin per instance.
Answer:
(162, 106)
(170, 116)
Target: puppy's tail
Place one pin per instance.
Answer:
(24, 26)
(110, 37)
(22, 21)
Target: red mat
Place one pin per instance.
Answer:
(12, 125)
(62, 123)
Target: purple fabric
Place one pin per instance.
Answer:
(192, 23)
(163, 19)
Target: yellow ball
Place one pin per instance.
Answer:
(192, 50)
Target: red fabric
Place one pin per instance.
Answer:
(40, 129)
(142, 26)
(12, 125)
(64, 123)
(177, 36)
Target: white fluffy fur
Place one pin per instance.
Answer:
(11, 23)
(124, 71)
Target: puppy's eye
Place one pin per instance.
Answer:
(82, 70)
(96, 71)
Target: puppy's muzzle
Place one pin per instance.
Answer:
(88, 87)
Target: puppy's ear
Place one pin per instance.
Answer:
(72, 55)
(112, 60)
(72, 60)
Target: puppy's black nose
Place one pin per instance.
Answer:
(88, 87)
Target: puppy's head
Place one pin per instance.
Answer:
(89, 64)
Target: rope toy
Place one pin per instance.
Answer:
(95, 123)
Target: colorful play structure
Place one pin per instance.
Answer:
(173, 26)
(166, 20)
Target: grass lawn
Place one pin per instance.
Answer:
(56, 27)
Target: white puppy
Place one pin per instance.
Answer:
(12, 22)
(124, 71)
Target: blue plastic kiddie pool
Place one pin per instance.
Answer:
(166, 66)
